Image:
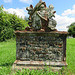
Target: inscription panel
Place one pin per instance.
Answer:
(39, 47)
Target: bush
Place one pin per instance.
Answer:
(71, 29)
(10, 23)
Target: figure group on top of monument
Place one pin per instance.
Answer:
(41, 17)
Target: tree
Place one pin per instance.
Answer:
(71, 29)
(10, 23)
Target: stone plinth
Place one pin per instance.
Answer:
(35, 50)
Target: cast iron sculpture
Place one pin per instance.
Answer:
(41, 17)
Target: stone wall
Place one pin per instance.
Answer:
(40, 46)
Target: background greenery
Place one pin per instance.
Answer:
(8, 56)
(71, 29)
(10, 23)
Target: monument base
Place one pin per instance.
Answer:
(39, 50)
(37, 65)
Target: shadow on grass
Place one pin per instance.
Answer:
(6, 64)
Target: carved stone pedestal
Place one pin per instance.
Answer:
(36, 50)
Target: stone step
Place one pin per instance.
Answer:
(40, 63)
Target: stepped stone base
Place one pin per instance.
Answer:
(37, 65)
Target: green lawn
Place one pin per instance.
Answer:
(71, 54)
(8, 56)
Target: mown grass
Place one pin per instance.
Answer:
(8, 56)
(71, 54)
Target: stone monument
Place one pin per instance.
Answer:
(40, 44)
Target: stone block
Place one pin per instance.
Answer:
(41, 46)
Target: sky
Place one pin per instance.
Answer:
(65, 10)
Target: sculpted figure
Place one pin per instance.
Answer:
(41, 17)
(30, 12)
(52, 23)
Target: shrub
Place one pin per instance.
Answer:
(71, 29)
(10, 23)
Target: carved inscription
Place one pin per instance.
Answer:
(40, 48)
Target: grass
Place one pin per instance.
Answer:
(8, 56)
(71, 54)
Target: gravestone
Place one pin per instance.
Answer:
(40, 44)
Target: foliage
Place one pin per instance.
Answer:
(8, 56)
(10, 23)
(71, 29)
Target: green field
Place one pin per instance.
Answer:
(8, 56)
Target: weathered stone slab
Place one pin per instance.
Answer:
(40, 46)
(40, 63)
(54, 66)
